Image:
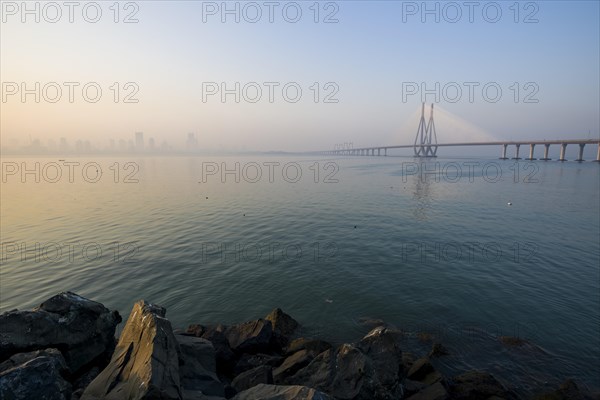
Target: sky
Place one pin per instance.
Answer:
(297, 76)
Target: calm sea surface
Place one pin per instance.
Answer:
(425, 247)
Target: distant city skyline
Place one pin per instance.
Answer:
(341, 72)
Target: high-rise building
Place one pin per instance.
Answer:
(139, 141)
(191, 142)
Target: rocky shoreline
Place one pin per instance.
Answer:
(66, 349)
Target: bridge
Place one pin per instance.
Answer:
(426, 145)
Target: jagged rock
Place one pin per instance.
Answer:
(145, 364)
(251, 361)
(253, 377)
(250, 337)
(292, 364)
(283, 327)
(83, 330)
(438, 350)
(35, 375)
(434, 392)
(381, 345)
(197, 366)
(346, 373)
(474, 385)
(314, 345)
(420, 369)
(274, 392)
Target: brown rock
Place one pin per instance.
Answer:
(145, 364)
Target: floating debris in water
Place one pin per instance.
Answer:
(509, 203)
(328, 301)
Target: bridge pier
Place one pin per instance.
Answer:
(598, 156)
(378, 152)
(531, 147)
(516, 157)
(580, 158)
(385, 153)
(546, 150)
(563, 148)
(504, 146)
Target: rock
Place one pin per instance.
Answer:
(250, 337)
(381, 345)
(292, 364)
(253, 377)
(316, 346)
(225, 358)
(251, 361)
(346, 373)
(83, 330)
(420, 369)
(197, 366)
(145, 364)
(274, 392)
(284, 326)
(438, 350)
(195, 330)
(475, 385)
(433, 392)
(35, 375)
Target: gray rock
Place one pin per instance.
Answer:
(253, 377)
(83, 330)
(35, 375)
(197, 366)
(145, 364)
(274, 392)
(438, 350)
(250, 337)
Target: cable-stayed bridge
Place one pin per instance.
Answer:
(426, 145)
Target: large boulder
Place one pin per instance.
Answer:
(250, 337)
(369, 370)
(314, 345)
(225, 357)
(83, 330)
(274, 392)
(35, 375)
(145, 364)
(197, 366)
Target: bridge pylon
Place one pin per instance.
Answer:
(426, 139)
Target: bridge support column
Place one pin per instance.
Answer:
(378, 152)
(598, 156)
(563, 148)
(385, 153)
(531, 147)
(580, 158)
(504, 146)
(516, 157)
(546, 150)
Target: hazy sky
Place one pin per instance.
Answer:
(372, 60)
